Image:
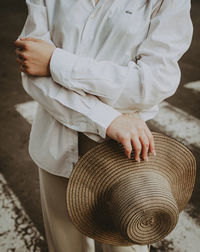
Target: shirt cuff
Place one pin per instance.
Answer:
(61, 65)
(103, 117)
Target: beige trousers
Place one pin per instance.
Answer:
(61, 234)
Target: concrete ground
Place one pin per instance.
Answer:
(20, 172)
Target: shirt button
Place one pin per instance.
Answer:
(92, 15)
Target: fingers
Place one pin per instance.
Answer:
(21, 64)
(145, 145)
(141, 143)
(30, 39)
(20, 59)
(151, 141)
(18, 53)
(132, 133)
(22, 69)
(20, 44)
(127, 147)
(137, 148)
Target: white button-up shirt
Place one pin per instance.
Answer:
(112, 57)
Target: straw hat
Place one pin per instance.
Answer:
(118, 201)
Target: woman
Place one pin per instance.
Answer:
(101, 69)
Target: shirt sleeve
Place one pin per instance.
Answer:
(144, 82)
(36, 23)
(81, 113)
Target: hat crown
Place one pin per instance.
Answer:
(139, 212)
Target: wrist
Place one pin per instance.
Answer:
(134, 115)
(110, 126)
(50, 58)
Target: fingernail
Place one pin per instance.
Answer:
(154, 153)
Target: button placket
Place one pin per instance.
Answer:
(92, 15)
(86, 34)
(99, 4)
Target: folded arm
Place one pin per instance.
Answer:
(142, 84)
(81, 113)
(154, 77)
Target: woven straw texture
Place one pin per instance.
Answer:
(118, 201)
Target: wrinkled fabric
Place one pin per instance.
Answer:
(112, 57)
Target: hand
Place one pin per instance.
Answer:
(33, 55)
(132, 132)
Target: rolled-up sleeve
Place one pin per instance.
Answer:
(143, 83)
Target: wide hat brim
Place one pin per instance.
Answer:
(161, 188)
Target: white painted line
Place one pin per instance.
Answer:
(27, 110)
(195, 86)
(178, 124)
(17, 232)
(184, 238)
